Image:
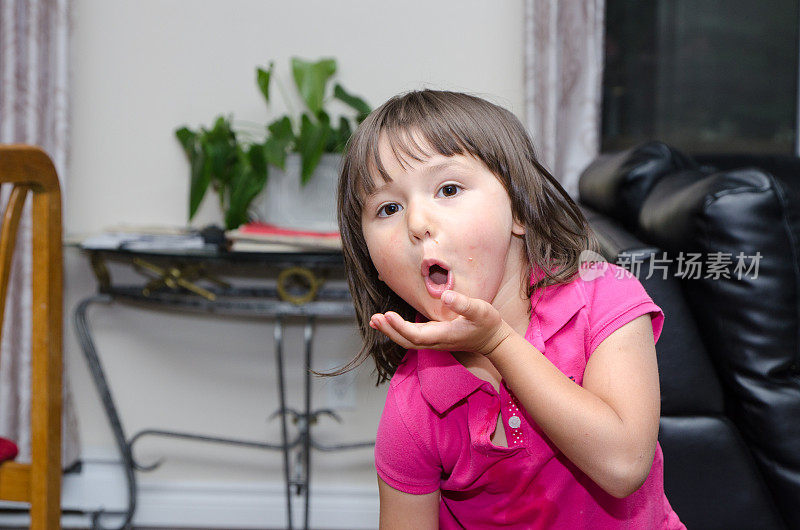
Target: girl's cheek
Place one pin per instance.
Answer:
(383, 258)
(387, 269)
(379, 243)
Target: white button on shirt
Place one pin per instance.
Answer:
(514, 422)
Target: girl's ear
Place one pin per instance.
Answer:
(517, 229)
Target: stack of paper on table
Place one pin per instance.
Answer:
(145, 238)
(261, 237)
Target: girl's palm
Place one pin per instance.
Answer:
(477, 328)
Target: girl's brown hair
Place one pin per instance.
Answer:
(451, 123)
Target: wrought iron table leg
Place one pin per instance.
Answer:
(304, 420)
(199, 437)
(308, 335)
(284, 433)
(96, 368)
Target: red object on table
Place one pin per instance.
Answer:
(267, 229)
(8, 450)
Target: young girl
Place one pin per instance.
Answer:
(524, 387)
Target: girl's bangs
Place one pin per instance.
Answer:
(415, 139)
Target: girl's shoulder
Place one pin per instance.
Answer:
(615, 296)
(578, 315)
(607, 286)
(601, 290)
(405, 389)
(406, 455)
(598, 281)
(596, 289)
(607, 279)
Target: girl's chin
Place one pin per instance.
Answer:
(434, 310)
(442, 313)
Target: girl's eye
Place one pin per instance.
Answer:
(448, 190)
(388, 209)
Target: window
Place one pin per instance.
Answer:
(705, 76)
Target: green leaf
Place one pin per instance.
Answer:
(263, 77)
(220, 147)
(282, 128)
(207, 175)
(199, 179)
(257, 160)
(342, 135)
(275, 152)
(339, 136)
(248, 180)
(352, 101)
(311, 144)
(198, 186)
(277, 144)
(187, 139)
(235, 213)
(311, 79)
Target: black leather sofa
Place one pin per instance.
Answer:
(729, 353)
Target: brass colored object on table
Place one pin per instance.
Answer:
(305, 275)
(175, 277)
(101, 271)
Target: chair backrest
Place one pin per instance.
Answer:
(29, 169)
(8, 239)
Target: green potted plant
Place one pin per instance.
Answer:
(236, 165)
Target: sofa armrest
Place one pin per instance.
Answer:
(689, 383)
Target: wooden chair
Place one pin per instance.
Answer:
(29, 169)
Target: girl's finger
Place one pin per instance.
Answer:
(409, 331)
(423, 335)
(382, 324)
(470, 308)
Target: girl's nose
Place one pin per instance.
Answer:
(420, 224)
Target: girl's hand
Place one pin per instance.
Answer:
(478, 327)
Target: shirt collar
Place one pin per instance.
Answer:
(444, 381)
(557, 306)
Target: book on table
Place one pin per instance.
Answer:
(262, 237)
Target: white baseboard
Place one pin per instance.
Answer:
(195, 504)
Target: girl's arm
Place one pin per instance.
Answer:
(608, 427)
(401, 511)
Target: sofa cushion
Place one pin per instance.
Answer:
(689, 384)
(727, 488)
(749, 317)
(616, 184)
(782, 166)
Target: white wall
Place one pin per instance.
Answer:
(142, 68)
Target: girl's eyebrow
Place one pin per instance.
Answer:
(436, 168)
(377, 189)
(431, 171)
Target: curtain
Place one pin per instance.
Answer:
(34, 109)
(563, 83)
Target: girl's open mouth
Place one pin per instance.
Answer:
(438, 274)
(438, 278)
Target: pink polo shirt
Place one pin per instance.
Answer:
(434, 433)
